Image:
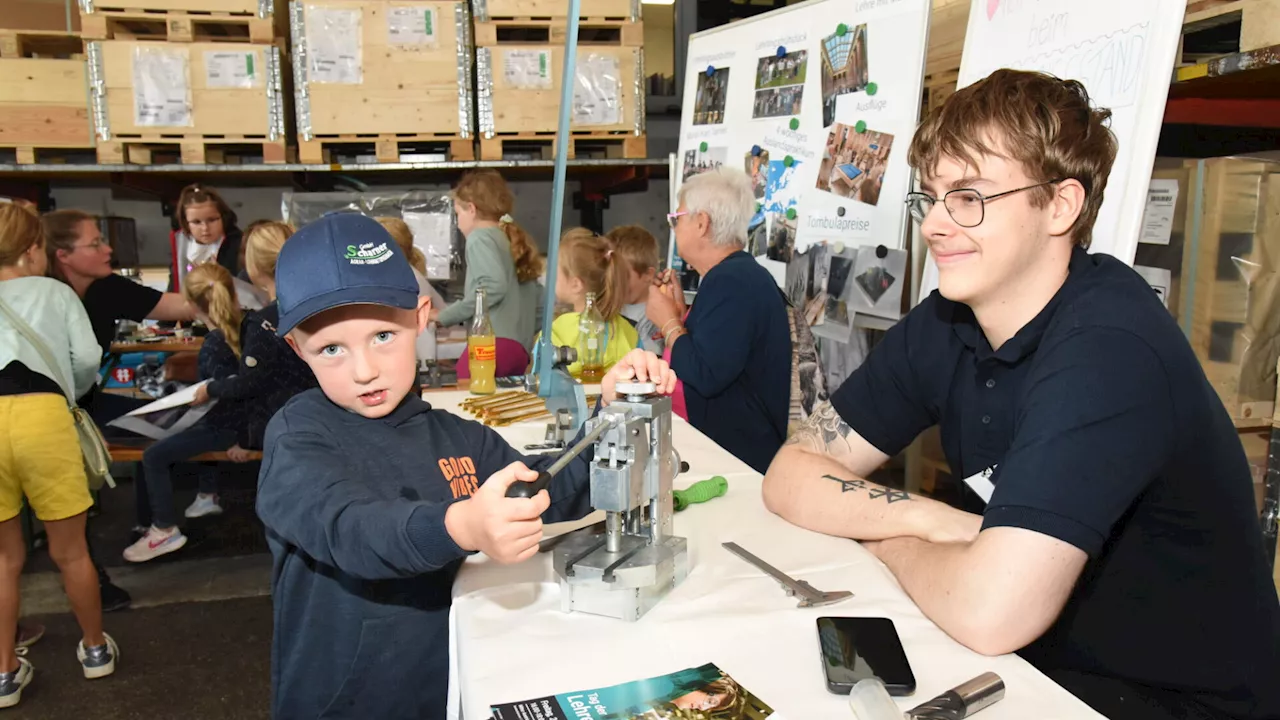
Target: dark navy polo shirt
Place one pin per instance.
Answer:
(1103, 433)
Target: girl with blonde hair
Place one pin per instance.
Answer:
(589, 264)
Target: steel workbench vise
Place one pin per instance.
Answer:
(625, 572)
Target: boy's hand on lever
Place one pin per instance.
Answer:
(506, 529)
(638, 366)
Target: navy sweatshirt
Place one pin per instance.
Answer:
(363, 567)
(254, 387)
(735, 362)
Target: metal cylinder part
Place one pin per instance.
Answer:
(613, 532)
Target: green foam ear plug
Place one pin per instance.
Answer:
(700, 492)
(702, 147)
(872, 88)
(861, 126)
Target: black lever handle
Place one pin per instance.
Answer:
(529, 489)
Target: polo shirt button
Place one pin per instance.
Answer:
(991, 383)
(986, 419)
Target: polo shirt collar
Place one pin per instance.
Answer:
(1027, 339)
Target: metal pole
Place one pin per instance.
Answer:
(544, 352)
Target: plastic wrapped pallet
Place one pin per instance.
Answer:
(428, 214)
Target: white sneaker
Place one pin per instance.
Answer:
(154, 544)
(203, 505)
(99, 661)
(12, 683)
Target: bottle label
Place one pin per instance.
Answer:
(484, 353)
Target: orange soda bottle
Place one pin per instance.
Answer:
(482, 355)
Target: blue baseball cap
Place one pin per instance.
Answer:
(341, 259)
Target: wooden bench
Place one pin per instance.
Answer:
(133, 453)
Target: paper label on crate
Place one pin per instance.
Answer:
(1157, 219)
(334, 45)
(527, 69)
(597, 91)
(161, 86)
(411, 26)
(1158, 278)
(237, 69)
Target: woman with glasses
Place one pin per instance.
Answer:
(80, 257)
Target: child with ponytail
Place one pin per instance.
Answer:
(236, 359)
(503, 261)
(590, 264)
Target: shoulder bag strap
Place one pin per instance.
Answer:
(45, 354)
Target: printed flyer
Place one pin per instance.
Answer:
(701, 693)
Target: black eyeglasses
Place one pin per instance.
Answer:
(966, 206)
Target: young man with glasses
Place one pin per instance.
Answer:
(1116, 543)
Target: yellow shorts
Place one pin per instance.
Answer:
(40, 457)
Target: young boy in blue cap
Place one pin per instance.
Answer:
(370, 498)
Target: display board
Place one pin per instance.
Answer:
(817, 103)
(1123, 53)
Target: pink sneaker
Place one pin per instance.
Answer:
(155, 543)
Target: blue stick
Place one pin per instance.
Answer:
(543, 353)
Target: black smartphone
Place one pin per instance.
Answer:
(857, 648)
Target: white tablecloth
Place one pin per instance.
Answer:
(511, 642)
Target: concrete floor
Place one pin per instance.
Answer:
(195, 644)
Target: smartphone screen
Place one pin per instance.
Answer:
(857, 648)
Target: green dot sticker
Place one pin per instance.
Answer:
(788, 161)
(841, 29)
(791, 213)
(861, 126)
(795, 123)
(702, 147)
(759, 207)
(872, 88)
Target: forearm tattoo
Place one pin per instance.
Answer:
(824, 430)
(890, 495)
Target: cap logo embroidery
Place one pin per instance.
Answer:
(368, 254)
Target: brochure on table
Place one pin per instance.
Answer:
(167, 416)
(1122, 52)
(817, 103)
(699, 693)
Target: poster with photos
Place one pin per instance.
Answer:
(820, 100)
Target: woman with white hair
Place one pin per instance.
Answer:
(733, 351)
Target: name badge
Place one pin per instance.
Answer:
(981, 484)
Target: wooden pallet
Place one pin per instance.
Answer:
(177, 26)
(552, 31)
(486, 10)
(48, 154)
(40, 44)
(387, 147)
(581, 145)
(190, 150)
(1249, 23)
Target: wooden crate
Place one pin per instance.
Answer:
(201, 95)
(44, 96)
(518, 93)
(1230, 288)
(551, 31)
(1253, 21)
(406, 85)
(486, 10)
(54, 15)
(186, 20)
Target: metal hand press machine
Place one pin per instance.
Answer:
(637, 561)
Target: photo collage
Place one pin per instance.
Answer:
(836, 283)
(780, 84)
